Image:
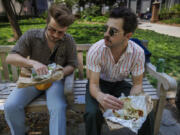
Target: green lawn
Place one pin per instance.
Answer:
(161, 46)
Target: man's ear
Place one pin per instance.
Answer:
(128, 35)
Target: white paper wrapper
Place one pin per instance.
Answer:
(141, 102)
(26, 79)
(51, 68)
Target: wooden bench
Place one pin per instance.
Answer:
(75, 86)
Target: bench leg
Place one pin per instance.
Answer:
(159, 112)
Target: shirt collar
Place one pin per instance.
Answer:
(129, 47)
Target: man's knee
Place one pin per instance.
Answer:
(11, 108)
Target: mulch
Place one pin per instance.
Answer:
(38, 123)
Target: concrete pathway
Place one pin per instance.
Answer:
(160, 28)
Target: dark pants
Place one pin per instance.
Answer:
(93, 116)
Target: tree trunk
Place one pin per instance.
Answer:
(12, 19)
(13, 8)
(22, 5)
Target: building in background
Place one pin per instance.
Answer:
(37, 7)
(29, 7)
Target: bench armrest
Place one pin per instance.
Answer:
(167, 81)
(68, 88)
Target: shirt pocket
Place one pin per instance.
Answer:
(60, 60)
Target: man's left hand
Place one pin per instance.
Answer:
(137, 85)
(136, 90)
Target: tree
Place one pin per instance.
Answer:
(21, 2)
(12, 18)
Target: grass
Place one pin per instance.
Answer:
(161, 46)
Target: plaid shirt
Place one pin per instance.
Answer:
(33, 43)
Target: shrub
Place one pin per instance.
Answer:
(44, 15)
(175, 8)
(102, 19)
(91, 11)
(32, 21)
(164, 13)
(171, 15)
(171, 21)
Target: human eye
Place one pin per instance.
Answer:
(111, 32)
(51, 29)
(60, 32)
(115, 30)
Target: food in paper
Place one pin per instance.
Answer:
(29, 78)
(43, 86)
(51, 67)
(133, 114)
(128, 112)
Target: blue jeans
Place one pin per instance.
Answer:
(21, 97)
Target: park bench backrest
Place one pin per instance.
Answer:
(7, 72)
(10, 73)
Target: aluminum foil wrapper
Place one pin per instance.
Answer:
(142, 102)
(51, 68)
(28, 78)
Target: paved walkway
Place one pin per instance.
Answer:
(160, 28)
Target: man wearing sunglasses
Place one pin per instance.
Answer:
(44, 46)
(109, 62)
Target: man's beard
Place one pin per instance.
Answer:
(50, 38)
(112, 45)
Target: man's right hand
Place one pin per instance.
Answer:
(40, 68)
(20, 61)
(108, 101)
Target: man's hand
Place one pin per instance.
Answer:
(136, 90)
(108, 101)
(20, 61)
(40, 68)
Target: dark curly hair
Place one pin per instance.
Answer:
(61, 14)
(129, 18)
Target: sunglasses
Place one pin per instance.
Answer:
(112, 31)
(53, 31)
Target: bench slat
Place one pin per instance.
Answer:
(85, 80)
(81, 99)
(80, 64)
(4, 66)
(0, 75)
(14, 73)
(79, 85)
(83, 47)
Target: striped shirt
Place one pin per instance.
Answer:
(100, 59)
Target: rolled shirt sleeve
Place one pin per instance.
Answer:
(72, 53)
(22, 46)
(138, 68)
(93, 60)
